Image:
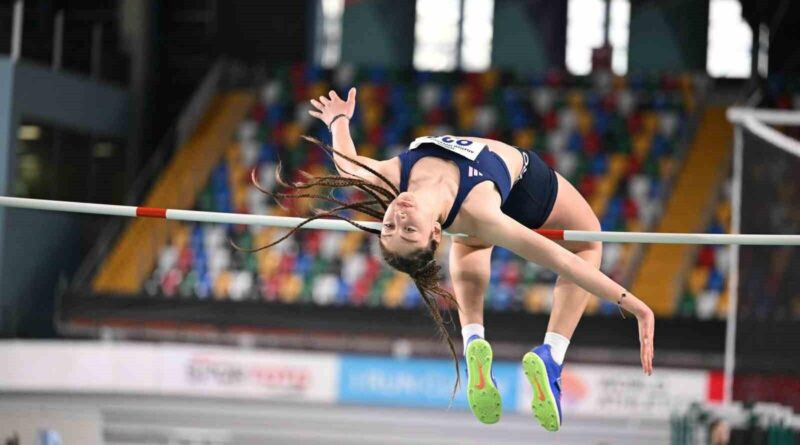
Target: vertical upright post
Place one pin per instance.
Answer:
(733, 271)
(16, 30)
(58, 39)
(97, 49)
(460, 41)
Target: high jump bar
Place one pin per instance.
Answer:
(334, 224)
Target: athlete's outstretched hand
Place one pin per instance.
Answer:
(330, 106)
(647, 323)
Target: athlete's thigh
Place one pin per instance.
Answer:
(572, 212)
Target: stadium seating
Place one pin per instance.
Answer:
(612, 137)
(705, 293)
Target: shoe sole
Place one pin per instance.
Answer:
(482, 395)
(544, 402)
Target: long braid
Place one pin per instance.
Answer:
(421, 266)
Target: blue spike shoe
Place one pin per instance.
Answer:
(482, 394)
(544, 375)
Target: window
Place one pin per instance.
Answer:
(476, 32)
(58, 163)
(330, 41)
(586, 21)
(730, 40)
(618, 34)
(436, 34)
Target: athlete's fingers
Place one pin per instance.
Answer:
(647, 352)
(317, 104)
(324, 100)
(642, 357)
(351, 95)
(333, 95)
(316, 114)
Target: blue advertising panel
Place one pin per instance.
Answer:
(414, 382)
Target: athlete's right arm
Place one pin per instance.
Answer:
(336, 113)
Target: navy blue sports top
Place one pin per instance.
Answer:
(488, 166)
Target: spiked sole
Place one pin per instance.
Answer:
(482, 395)
(544, 402)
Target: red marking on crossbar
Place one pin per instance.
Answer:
(716, 386)
(151, 212)
(556, 234)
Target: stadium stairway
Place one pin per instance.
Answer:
(134, 255)
(661, 275)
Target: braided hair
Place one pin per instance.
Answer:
(420, 265)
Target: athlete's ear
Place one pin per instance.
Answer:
(436, 234)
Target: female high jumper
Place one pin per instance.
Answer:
(495, 194)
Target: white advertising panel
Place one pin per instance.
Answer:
(167, 369)
(620, 391)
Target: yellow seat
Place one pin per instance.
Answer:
(318, 89)
(290, 288)
(698, 278)
(221, 285)
(536, 298)
(466, 118)
(524, 138)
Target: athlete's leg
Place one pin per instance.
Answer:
(571, 211)
(542, 366)
(469, 270)
(470, 264)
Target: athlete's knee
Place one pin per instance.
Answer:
(596, 246)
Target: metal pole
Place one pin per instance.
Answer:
(16, 32)
(58, 39)
(97, 49)
(733, 271)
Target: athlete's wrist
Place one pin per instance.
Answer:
(628, 302)
(339, 118)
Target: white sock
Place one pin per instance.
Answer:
(469, 330)
(558, 346)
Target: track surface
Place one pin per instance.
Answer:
(181, 420)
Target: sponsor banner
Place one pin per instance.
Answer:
(167, 369)
(617, 391)
(413, 382)
(254, 374)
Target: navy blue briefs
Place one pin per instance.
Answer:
(532, 197)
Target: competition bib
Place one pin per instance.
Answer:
(463, 147)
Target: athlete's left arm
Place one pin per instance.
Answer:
(500, 229)
(335, 113)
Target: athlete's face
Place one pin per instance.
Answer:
(407, 228)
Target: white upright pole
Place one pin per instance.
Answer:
(16, 30)
(733, 271)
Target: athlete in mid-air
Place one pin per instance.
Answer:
(495, 194)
